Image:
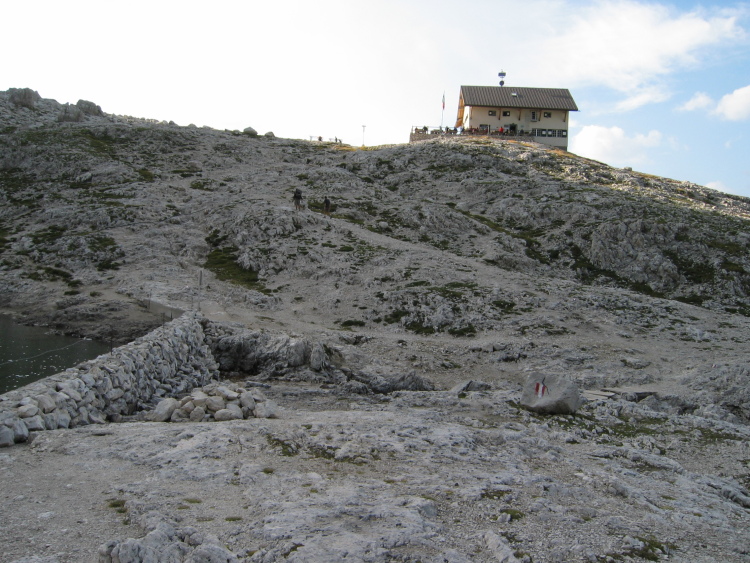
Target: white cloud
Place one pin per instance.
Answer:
(700, 100)
(643, 97)
(612, 146)
(718, 186)
(629, 46)
(735, 106)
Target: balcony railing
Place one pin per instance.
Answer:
(425, 132)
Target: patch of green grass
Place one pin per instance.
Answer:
(651, 548)
(710, 436)
(695, 272)
(504, 306)
(460, 285)
(100, 143)
(419, 328)
(395, 316)
(513, 513)
(467, 330)
(728, 246)
(325, 452)
(223, 263)
(203, 185)
(108, 264)
(101, 243)
(729, 266)
(692, 299)
(494, 494)
(15, 179)
(588, 273)
(288, 448)
(55, 274)
(446, 292)
(146, 175)
(48, 235)
(216, 239)
(4, 241)
(368, 207)
(631, 429)
(118, 505)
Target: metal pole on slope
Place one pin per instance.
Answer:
(442, 115)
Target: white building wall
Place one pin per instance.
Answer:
(549, 126)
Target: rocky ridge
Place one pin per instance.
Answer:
(443, 261)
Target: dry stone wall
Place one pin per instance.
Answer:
(169, 361)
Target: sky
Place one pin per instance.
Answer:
(662, 87)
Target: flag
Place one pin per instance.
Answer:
(443, 100)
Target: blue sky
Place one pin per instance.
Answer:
(663, 87)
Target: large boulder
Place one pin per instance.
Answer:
(6, 436)
(318, 357)
(70, 114)
(250, 132)
(90, 108)
(551, 394)
(164, 410)
(24, 97)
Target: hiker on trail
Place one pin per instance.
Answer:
(297, 197)
(327, 206)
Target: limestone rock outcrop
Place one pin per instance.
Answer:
(24, 97)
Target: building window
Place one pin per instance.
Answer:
(547, 114)
(492, 112)
(506, 113)
(533, 116)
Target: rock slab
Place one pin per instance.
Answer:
(551, 394)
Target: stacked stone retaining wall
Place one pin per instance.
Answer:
(169, 361)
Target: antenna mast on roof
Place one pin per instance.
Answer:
(501, 74)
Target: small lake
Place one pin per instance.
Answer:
(28, 353)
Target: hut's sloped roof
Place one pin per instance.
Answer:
(513, 97)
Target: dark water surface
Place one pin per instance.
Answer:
(28, 353)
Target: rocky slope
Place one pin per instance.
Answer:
(452, 259)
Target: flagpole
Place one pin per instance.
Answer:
(442, 115)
